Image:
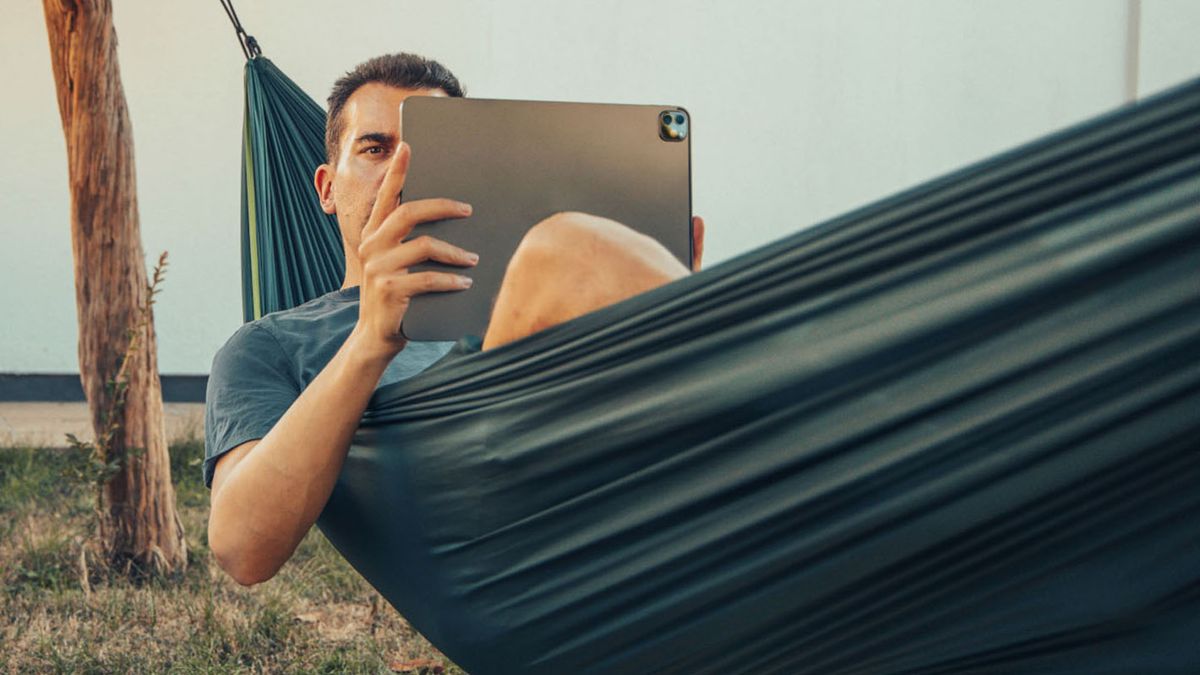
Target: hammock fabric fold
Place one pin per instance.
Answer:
(956, 430)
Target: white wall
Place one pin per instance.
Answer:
(802, 110)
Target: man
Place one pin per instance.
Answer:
(287, 391)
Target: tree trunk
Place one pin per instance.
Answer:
(139, 524)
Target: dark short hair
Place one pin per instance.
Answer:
(405, 71)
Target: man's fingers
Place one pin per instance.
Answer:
(697, 242)
(407, 285)
(388, 197)
(419, 250)
(399, 224)
(425, 210)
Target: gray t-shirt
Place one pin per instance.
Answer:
(262, 369)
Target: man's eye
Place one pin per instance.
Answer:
(375, 149)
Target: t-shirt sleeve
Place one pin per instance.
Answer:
(250, 386)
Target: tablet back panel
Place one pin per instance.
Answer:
(518, 162)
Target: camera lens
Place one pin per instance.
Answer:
(667, 118)
(678, 119)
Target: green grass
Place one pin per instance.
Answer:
(316, 616)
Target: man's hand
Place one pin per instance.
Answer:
(697, 242)
(387, 286)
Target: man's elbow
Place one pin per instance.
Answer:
(246, 575)
(238, 562)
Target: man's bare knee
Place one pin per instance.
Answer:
(573, 239)
(573, 263)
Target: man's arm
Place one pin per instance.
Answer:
(266, 495)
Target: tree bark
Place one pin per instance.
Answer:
(139, 523)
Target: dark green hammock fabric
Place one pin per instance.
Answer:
(291, 250)
(957, 430)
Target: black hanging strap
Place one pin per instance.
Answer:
(249, 45)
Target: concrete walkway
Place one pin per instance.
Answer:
(47, 424)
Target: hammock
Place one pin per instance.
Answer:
(956, 430)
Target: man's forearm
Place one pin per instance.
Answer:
(272, 497)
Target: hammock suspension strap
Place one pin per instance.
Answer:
(249, 45)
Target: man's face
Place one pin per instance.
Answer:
(370, 135)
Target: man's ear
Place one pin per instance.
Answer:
(323, 182)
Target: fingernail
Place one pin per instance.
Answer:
(466, 282)
(472, 258)
(464, 207)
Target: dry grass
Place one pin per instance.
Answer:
(316, 616)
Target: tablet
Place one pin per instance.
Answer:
(519, 162)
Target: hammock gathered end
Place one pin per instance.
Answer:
(291, 249)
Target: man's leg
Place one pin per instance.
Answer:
(571, 264)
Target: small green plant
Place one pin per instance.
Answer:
(104, 464)
(98, 461)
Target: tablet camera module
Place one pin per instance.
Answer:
(673, 125)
